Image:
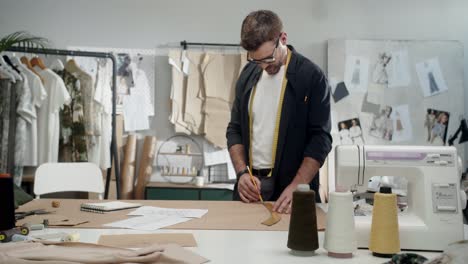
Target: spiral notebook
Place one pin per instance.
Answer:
(107, 206)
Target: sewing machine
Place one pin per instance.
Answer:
(433, 218)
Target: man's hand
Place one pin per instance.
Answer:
(247, 191)
(283, 204)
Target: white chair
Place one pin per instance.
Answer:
(68, 177)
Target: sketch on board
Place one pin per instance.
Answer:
(402, 129)
(380, 75)
(356, 74)
(431, 79)
(382, 124)
(436, 124)
(398, 69)
(350, 132)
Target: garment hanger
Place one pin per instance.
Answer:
(25, 61)
(8, 61)
(36, 61)
(10, 70)
(57, 65)
(6, 73)
(72, 67)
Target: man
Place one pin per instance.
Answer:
(280, 119)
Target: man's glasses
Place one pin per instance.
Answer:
(267, 60)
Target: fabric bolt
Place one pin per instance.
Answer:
(264, 110)
(220, 72)
(5, 90)
(75, 252)
(216, 120)
(193, 115)
(73, 142)
(48, 121)
(177, 93)
(38, 95)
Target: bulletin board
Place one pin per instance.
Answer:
(392, 92)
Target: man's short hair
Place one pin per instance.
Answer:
(259, 27)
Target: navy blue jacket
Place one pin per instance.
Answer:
(304, 129)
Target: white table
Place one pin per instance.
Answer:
(228, 246)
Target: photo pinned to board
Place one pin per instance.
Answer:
(402, 129)
(382, 124)
(380, 72)
(356, 74)
(431, 78)
(436, 124)
(350, 132)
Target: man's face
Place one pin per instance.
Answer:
(270, 55)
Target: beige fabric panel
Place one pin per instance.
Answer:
(222, 215)
(178, 93)
(217, 115)
(194, 94)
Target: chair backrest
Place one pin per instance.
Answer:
(68, 177)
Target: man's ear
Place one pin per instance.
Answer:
(284, 38)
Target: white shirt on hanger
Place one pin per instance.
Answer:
(49, 118)
(38, 94)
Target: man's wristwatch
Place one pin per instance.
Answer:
(240, 173)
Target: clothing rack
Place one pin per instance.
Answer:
(114, 151)
(184, 44)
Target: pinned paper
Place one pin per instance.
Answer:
(340, 92)
(398, 69)
(436, 126)
(401, 124)
(357, 74)
(431, 78)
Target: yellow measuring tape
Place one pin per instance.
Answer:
(278, 117)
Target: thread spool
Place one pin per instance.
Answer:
(340, 235)
(303, 236)
(384, 238)
(7, 202)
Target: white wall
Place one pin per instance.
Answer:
(152, 23)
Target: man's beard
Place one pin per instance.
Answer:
(273, 69)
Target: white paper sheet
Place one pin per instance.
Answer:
(148, 223)
(215, 157)
(402, 128)
(230, 167)
(431, 78)
(398, 69)
(159, 211)
(133, 118)
(356, 74)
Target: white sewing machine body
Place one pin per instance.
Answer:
(434, 216)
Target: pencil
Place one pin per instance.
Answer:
(255, 184)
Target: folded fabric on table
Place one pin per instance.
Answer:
(74, 252)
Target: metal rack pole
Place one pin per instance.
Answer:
(184, 44)
(79, 53)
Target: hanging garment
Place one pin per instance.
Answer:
(103, 97)
(142, 88)
(193, 116)
(73, 143)
(38, 95)
(48, 121)
(178, 89)
(5, 94)
(24, 116)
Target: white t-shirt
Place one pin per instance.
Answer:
(38, 94)
(48, 121)
(265, 107)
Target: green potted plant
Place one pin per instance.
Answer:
(22, 39)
